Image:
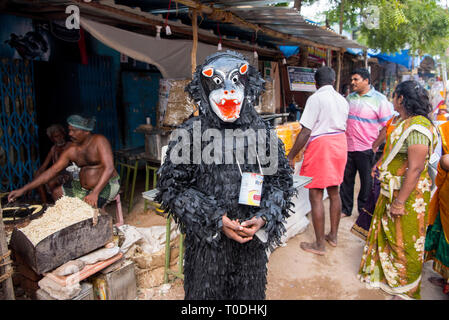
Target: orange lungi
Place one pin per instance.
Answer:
(325, 160)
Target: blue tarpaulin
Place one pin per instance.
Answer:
(403, 58)
(289, 50)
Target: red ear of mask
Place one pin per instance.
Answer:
(208, 72)
(243, 69)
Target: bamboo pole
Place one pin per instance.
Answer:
(195, 39)
(342, 4)
(365, 58)
(339, 67)
(6, 285)
(194, 46)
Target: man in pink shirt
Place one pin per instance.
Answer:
(369, 111)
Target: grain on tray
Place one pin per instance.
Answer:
(65, 212)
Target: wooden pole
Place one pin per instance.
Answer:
(6, 285)
(339, 65)
(303, 56)
(195, 39)
(194, 46)
(141, 21)
(365, 58)
(297, 5)
(342, 4)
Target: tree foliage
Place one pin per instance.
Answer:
(421, 25)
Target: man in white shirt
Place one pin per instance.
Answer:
(323, 133)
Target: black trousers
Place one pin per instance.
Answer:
(361, 162)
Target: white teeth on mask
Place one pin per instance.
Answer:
(222, 101)
(235, 101)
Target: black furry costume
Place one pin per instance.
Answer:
(198, 195)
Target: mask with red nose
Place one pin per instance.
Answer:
(224, 81)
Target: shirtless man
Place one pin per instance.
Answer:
(98, 181)
(57, 134)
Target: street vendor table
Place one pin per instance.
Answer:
(130, 159)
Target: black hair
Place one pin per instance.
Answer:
(415, 98)
(364, 73)
(54, 128)
(325, 75)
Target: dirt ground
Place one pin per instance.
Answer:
(294, 274)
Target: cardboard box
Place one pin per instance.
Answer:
(267, 101)
(174, 105)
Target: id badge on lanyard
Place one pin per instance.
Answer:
(251, 186)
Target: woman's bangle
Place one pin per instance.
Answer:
(397, 206)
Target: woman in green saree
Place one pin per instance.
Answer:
(393, 254)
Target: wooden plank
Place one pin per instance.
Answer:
(87, 271)
(6, 285)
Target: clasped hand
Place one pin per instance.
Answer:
(241, 232)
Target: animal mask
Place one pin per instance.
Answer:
(224, 81)
(226, 87)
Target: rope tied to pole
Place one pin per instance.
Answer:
(8, 273)
(6, 255)
(6, 276)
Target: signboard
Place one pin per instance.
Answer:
(301, 79)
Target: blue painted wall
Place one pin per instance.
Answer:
(140, 98)
(137, 87)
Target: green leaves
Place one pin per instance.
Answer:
(421, 25)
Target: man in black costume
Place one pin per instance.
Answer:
(223, 258)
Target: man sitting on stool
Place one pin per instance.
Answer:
(98, 182)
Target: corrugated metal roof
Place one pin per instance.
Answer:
(289, 21)
(282, 19)
(266, 26)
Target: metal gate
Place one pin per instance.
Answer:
(98, 97)
(19, 157)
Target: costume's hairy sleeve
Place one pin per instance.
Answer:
(197, 214)
(276, 199)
